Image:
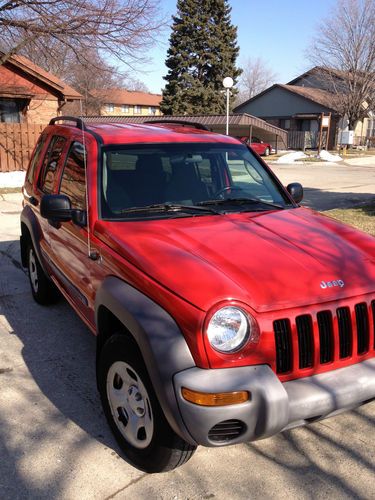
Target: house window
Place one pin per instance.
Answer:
(110, 108)
(10, 110)
(285, 124)
(137, 109)
(124, 108)
(151, 110)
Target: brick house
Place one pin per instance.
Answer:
(29, 94)
(121, 102)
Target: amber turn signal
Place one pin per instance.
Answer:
(215, 399)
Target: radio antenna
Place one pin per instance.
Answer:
(89, 251)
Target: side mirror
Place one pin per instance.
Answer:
(295, 190)
(56, 208)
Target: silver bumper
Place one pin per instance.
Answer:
(274, 406)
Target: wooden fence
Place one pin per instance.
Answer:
(17, 141)
(306, 140)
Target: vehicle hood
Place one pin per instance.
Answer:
(269, 260)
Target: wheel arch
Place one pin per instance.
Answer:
(31, 232)
(120, 308)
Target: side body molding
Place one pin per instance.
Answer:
(159, 339)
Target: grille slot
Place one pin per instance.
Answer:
(226, 430)
(283, 343)
(305, 340)
(345, 331)
(373, 320)
(325, 327)
(362, 321)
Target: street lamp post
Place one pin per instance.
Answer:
(228, 84)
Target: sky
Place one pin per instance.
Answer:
(278, 31)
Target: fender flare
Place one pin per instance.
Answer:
(29, 219)
(161, 342)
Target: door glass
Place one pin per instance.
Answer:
(50, 164)
(73, 178)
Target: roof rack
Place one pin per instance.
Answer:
(78, 121)
(179, 122)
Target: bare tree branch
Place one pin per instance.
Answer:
(117, 28)
(256, 77)
(345, 48)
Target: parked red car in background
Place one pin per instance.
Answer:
(260, 147)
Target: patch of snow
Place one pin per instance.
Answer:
(12, 179)
(327, 156)
(291, 157)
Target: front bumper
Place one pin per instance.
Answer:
(274, 406)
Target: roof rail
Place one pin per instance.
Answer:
(78, 121)
(179, 122)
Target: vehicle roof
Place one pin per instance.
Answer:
(127, 133)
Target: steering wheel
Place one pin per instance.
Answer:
(225, 189)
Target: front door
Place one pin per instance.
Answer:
(69, 241)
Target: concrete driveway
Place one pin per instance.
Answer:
(55, 443)
(332, 185)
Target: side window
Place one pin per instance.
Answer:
(36, 157)
(50, 163)
(73, 178)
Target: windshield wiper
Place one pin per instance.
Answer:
(240, 201)
(168, 207)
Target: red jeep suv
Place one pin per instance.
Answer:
(224, 312)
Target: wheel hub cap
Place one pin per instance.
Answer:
(130, 404)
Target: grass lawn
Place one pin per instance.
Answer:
(361, 217)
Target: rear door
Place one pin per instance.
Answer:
(47, 183)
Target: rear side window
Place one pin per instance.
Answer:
(73, 178)
(36, 157)
(50, 164)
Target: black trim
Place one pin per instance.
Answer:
(196, 125)
(78, 121)
(67, 284)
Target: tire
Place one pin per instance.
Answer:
(42, 288)
(267, 152)
(133, 411)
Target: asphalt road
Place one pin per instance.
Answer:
(332, 185)
(55, 443)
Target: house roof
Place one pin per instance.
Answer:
(318, 96)
(342, 75)
(35, 71)
(122, 96)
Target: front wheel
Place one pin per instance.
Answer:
(133, 411)
(267, 152)
(43, 290)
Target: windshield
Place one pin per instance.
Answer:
(163, 180)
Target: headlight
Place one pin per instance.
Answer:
(229, 329)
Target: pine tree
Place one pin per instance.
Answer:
(203, 50)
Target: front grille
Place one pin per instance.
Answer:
(226, 430)
(337, 334)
